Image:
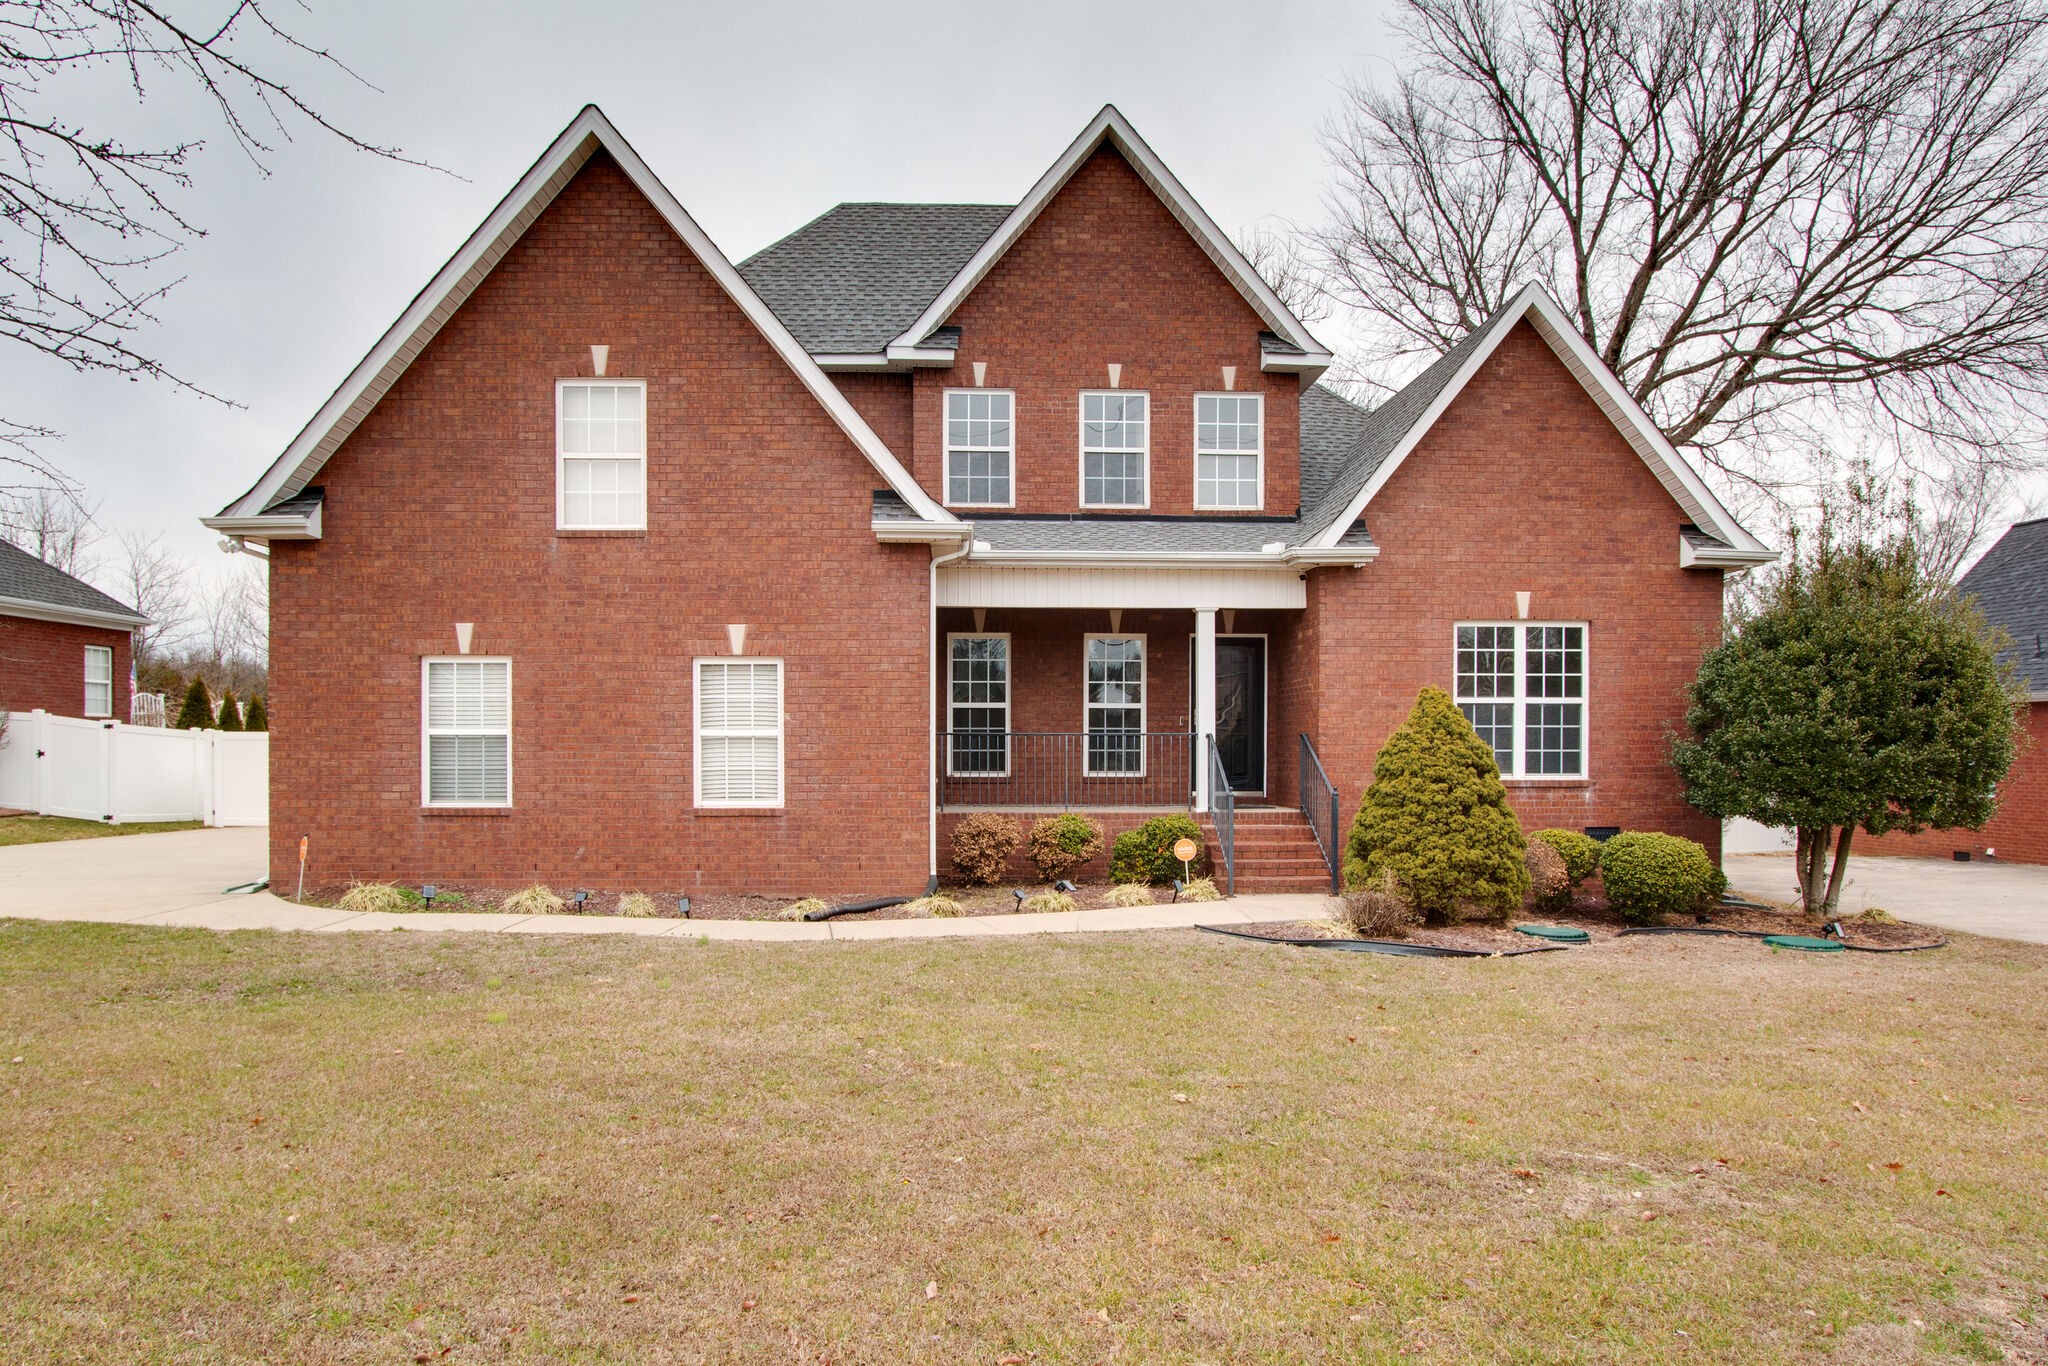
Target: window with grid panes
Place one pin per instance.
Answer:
(1115, 705)
(1229, 442)
(1523, 687)
(978, 706)
(980, 447)
(1115, 446)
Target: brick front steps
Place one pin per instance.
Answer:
(1276, 851)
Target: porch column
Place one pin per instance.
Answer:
(1205, 701)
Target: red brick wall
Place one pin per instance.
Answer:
(1105, 274)
(441, 509)
(1523, 485)
(884, 400)
(2018, 833)
(42, 664)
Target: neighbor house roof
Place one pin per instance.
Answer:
(2011, 587)
(31, 588)
(259, 513)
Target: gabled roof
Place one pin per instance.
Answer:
(1397, 426)
(851, 279)
(1301, 350)
(31, 588)
(589, 133)
(2011, 587)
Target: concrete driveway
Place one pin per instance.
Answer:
(2000, 900)
(131, 877)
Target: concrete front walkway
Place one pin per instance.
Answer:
(177, 878)
(2000, 900)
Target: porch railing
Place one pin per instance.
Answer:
(1223, 815)
(1319, 805)
(1065, 770)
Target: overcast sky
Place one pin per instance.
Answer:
(758, 116)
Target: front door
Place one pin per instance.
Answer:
(1241, 710)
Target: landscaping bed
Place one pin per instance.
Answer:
(483, 899)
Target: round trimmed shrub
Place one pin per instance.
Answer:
(1146, 853)
(982, 845)
(1060, 844)
(1650, 875)
(1437, 818)
(1549, 881)
(1581, 853)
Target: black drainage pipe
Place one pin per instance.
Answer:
(1759, 934)
(1397, 947)
(851, 907)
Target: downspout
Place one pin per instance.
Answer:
(931, 701)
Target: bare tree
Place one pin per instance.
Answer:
(54, 525)
(153, 580)
(88, 217)
(1772, 218)
(1287, 262)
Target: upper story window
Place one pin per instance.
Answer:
(1523, 688)
(466, 717)
(1115, 449)
(1229, 443)
(981, 448)
(601, 455)
(99, 680)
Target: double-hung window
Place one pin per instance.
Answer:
(739, 732)
(601, 455)
(99, 680)
(1230, 439)
(466, 713)
(1523, 688)
(1115, 706)
(981, 448)
(978, 706)
(1115, 447)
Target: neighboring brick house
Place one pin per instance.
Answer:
(2010, 584)
(65, 647)
(615, 564)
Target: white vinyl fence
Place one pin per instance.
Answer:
(108, 771)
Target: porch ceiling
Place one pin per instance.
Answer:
(979, 585)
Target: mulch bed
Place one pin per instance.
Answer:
(481, 899)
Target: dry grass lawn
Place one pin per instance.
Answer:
(1176, 1148)
(47, 829)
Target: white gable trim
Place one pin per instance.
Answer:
(1110, 126)
(1679, 479)
(433, 306)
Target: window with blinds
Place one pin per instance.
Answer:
(99, 680)
(466, 714)
(739, 732)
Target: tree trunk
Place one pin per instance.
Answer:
(1809, 860)
(1835, 877)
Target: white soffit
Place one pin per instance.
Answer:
(978, 585)
(446, 292)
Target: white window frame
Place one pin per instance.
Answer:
(781, 797)
(92, 652)
(1195, 440)
(946, 444)
(1009, 702)
(562, 458)
(427, 733)
(1143, 452)
(1088, 769)
(1520, 700)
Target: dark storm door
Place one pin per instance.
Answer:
(1241, 711)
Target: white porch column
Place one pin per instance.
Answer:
(1205, 700)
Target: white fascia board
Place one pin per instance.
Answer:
(2038, 695)
(831, 361)
(1310, 367)
(1542, 312)
(1111, 126)
(1692, 556)
(274, 526)
(1300, 558)
(901, 531)
(468, 268)
(901, 354)
(70, 616)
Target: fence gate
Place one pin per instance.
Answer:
(108, 771)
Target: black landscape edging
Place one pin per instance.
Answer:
(1395, 947)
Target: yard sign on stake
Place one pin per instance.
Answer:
(1185, 850)
(302, 869)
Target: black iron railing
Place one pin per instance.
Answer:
(1223, 814)
(1065, 770)
(1319, 805)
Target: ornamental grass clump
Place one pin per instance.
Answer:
(637, 904)
(1129, 894)
(1060, 844)
(982, 845)
(1437, 818)
(936, 905)
(1146, 853)
(1200, 889)
(534, 900)
(1649, 876)
(371, 897)
(797, 910)
(1050, 901)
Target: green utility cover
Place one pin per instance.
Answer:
(1800, 941)
(1563, 934)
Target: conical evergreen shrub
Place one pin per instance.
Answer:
(230, 714)
(256, 718)
(1437, 818)
(197, 711)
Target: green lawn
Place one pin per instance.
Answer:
(1175, 1148)
(46, 829)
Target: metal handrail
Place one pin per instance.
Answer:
(1065, 770)
(1319, 806)
(1223, 812)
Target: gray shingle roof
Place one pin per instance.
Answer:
(2011, 586)
(1135, 535)
(27, 579)
(1330, 427)
(849, 281)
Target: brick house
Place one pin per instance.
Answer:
(616, 564)
(2010, 584)
(65, 647)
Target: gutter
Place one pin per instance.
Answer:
(273, 526)
(931, 703)
(1691, 556)
(70, 616)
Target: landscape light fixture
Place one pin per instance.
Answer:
(1020, 897)
(1178, 888)
(577, 902)
(1064, 886)
(428, 893)
(683, 907)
